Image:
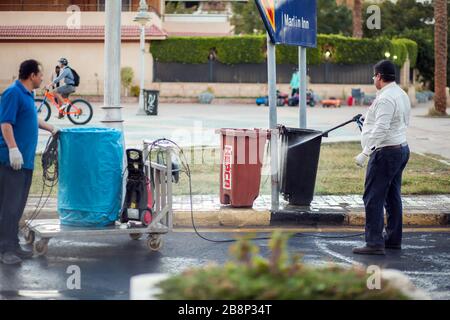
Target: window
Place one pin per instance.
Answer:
(126, 5)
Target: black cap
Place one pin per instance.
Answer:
(387, 70)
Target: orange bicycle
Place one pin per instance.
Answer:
(78, 111)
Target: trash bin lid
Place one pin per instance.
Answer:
(298, 131)
(253, 133)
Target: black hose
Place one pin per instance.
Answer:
(187, 170)
(49, 175)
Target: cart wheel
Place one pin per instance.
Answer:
(29, 236)
(135, 236)
(41, 247)
(154, 242)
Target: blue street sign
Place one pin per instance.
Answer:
(292, 22)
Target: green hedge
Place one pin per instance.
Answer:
(229, 50)
(252, 49)
(411, 48)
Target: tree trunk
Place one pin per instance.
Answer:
(440, 56)
(357, 19)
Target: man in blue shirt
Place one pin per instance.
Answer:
(18, 141)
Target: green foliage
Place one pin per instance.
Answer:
(403, 48)
(252, 49)
(425, 54)
(413, 20)
(126, 76)
(229, 50)
(412, 48)
(246, 18)
(333, 18)
(251, 277)
(175, 7)
(399, 16)
(398, 52)
(135, 91)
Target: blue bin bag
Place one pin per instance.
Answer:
(90, 176)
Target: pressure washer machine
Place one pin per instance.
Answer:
(138, 198)
(147, 209)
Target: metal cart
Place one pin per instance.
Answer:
(39, 232)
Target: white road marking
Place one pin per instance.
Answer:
(427, 273)
(324, 247)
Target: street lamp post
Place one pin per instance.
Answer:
(113, 114)
(142, 18)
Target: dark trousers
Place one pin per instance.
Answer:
(383, 190)
(14, 189)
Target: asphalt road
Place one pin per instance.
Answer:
(107, 263)
(195, 124)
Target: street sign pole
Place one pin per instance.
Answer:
(289, 22)
(272, 87)
(302, 91)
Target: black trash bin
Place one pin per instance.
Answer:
(299, 159)
(151, 99)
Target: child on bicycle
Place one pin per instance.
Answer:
(65, 90)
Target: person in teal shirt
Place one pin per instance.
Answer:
(295, 82)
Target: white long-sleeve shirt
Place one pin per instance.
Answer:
(387, 119)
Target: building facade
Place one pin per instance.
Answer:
(49, 29)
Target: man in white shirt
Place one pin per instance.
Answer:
(383, 140)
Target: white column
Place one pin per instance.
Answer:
(111, 106)
(142, 85)
(302, 91)
(272, 86)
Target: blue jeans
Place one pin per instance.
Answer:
(383, 190)
(14, 189)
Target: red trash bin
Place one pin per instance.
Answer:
(242, 152)
(350, 101)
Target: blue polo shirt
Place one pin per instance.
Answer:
(17, 108)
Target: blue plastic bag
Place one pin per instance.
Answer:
(90, 176)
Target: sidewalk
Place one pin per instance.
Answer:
(432, 210)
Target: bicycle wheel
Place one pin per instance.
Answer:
(80, 112)
(43, 109)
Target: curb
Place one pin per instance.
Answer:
(238, 218)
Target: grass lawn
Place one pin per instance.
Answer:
(337, 174)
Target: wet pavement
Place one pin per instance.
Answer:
(107, 263)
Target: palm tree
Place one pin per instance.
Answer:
(440, 56)
(357, 19)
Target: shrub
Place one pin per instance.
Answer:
(229, 50)
(126, 77)
(251, 277)
(135, 91)
(252, 49)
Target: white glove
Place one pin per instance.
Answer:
(15, 158)
(55, 130)
(361, 159)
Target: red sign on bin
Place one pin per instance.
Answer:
(227, 156)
